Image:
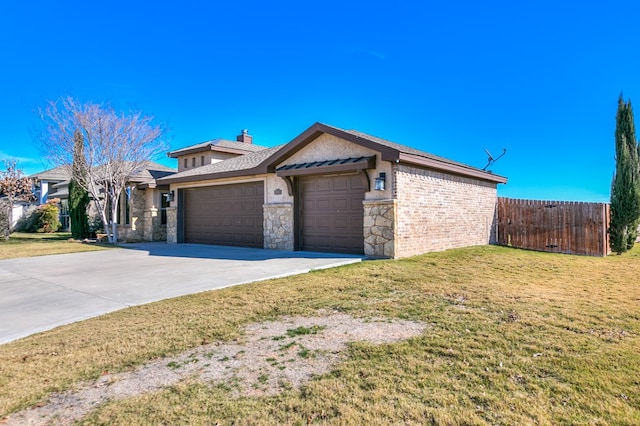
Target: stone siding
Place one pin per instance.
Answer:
(134, 231)
(153, 229)
(172, 225)
(438, 211)
(278, 226)
(379, 228)
(145, 221)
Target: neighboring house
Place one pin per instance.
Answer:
(328, 190)
(141, 213)
(18, 210)
(52, 183)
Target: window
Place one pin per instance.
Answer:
(193, 162)
(127, 206)
(202, 160)
(124, 210)
(164, 203)
(186, 163)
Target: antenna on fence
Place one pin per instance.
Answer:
(491, 159)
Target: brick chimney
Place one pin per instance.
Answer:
(245, 137)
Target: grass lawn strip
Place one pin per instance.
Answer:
(30, 245)
(261, 364)
(513, 337)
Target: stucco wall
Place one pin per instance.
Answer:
(210, 157)
(329, 147)
(438, 211)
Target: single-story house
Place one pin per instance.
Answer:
(330, 190)
(141, 213)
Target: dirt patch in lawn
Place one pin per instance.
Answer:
(272, 356)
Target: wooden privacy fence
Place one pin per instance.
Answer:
(554, 226)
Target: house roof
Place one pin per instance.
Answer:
(220, 145)
(248, 164)
(146, 174)
(390, 151)
(267, 160)
(58, 173)
(151, 171)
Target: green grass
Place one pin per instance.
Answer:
(27, 245)
(513, 337)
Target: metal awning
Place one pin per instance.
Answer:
(327, 166)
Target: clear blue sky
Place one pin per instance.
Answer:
(540, 79)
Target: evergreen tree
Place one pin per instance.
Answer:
(78, 197)
(625, 188)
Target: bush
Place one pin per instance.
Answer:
(49, 217)
(44, 219)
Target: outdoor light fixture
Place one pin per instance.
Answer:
(380, 180)
(170, 196)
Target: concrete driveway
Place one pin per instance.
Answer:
(40, 293)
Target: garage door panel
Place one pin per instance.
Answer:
(331, 213)
(224, 215)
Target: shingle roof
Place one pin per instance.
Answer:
(236, 164)
(402, 148)
(267, 160)
(57, 173)
(152, 171)
(216, 143)
(390, 151)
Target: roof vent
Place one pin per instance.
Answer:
(245, 137)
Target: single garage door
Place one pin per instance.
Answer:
(331, 213)
(229, 215)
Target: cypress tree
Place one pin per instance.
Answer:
(625, 188)
(78, 196)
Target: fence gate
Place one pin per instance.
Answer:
(554, 226)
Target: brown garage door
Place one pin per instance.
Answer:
(229, 215)
(331, 213)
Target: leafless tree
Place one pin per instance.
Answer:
(14, 186)
(117, 145)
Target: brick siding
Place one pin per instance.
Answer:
(437, 211)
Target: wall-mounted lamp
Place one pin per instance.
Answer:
(380, 181)
(170, 196)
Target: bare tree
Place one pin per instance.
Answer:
(117, 145)
(14, 186)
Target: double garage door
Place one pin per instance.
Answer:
(229, 215)
(329, 214)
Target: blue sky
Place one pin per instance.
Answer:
(540, 79)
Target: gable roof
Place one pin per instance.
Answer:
(390, 151)
(267, 160)
(220, 145)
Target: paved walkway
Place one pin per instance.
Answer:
(40, 293)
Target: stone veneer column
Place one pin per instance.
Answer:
(380, 228)
(278, 226)
(172, 225)
(151, 220)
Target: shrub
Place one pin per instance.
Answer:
(45, 218)
(49, 217)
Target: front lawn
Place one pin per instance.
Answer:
(511, 337)
(22, 244)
